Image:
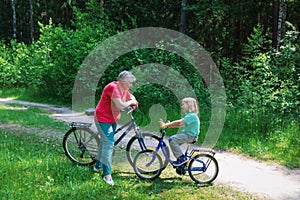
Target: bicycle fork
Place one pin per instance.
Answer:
(160, 144)
(140, 138)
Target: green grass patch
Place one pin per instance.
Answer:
(29, 94)
(29, 117)
(264, 135)
(34, 167)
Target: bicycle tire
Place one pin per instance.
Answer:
(151, 141)
(81, 146)
(150, 171)
(196, 172)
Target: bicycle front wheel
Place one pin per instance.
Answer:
(151, 141)
(81, 146)
(203, 168)
(148, 165)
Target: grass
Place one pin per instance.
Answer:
(33, 166)
(29, 117)
(29, 94)
(263, 135)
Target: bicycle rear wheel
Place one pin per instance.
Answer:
(81, 146)
(151, 141)
(203, 168)
(148, 165)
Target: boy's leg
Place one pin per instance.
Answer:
(175, 142)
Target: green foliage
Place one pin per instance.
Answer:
(263, 87)
(286, 82)
(13, 57)
(265, 79)
(49, 65)
(263, 99)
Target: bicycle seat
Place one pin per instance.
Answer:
(194, 141)
(90, 111)
(80, 125)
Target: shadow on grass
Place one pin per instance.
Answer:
(161, 182)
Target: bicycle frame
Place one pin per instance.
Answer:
(81, 143)
(201, 165)
(131, 125)
(160, 146)
(188, 156)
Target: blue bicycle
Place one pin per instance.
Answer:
(201, 164)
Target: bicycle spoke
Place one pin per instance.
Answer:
(203, 168)
(148, 165)
(81, 146)
(150, 140)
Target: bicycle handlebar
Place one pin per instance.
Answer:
(162, 130)
(130, 109)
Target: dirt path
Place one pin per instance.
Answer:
(267, 180)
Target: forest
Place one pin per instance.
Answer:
(254, 43)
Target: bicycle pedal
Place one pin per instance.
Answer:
(180, 171)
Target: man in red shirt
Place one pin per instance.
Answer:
(115, 97)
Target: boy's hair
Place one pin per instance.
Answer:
(192, 104)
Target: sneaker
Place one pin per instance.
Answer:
(108, 179)
(97, 169)
(180, 161)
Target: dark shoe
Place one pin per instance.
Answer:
(180, 161)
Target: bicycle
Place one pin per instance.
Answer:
(81, 143)
(201, 164)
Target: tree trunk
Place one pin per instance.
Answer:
(31, 21)
(102, 6)
(275, 23)
(182, 16)
(279, 13)
(14, 19)
(281, 22)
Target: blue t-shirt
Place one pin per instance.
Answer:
(191, 124)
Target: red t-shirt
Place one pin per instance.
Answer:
(106, 111)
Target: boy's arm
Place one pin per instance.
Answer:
(173, 124)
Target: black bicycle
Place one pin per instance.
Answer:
(81, 143)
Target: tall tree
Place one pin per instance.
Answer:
(279, 15)
(182, 16)
(31, 21)
(13, 6)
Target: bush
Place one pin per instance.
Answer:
(265, 79)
